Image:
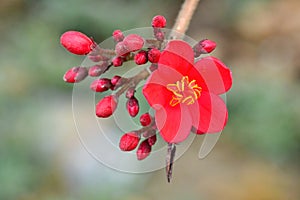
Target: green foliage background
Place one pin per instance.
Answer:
(41, 156)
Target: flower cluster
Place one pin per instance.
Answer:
(182, 88)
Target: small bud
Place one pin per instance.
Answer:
(140, 58)
(133, 42)
(152, 140)
(77, 42)
(97, 70)
(129, 141)
(106, 106)
(116, 82)
(143, 150)
(101, 85)
(133, 106)
(117, 61)
(118, 35)
(75, 74)
(130, 93)
(159, 21)
(153, 55)
(204, 47)
(121, 49)
(145, 119)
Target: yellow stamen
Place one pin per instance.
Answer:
(184, 91)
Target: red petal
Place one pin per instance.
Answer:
(215, 74)
(155, 89)
(177, 55)
(212, 113)
(173, 123)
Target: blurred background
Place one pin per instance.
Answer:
(257, 156)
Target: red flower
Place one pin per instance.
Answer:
(184, 94)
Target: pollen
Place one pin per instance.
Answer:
(184, 91)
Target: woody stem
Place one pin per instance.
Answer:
(184, 17)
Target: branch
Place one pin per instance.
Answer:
(184, 17)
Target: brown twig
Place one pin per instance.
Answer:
(183, 18)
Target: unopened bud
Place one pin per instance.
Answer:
(118, 35)
(204, 47)
(130, 93)
(159, 21)
(75, 74)
(101, 85)
(133, 106)
(153, 55)
(106, 106)
(140, 58)
(145, 119)
(77, 42)
(152, 140)
(129, 141)
(143, 150)
(117, 61)
(97, 70)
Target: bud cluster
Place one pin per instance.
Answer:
(131, 47)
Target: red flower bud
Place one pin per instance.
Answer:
(143, 150)
(152, 140)
(97, 70)
(153, 55)
(145, 119)
(106, 106)
(129, 141)
(118, 35)
(117, 61)
(101, 85)
(76, 42)
(75, 74)
(133, 106)
(204, 47)
(140, 58)
(130, 93)
(115, 80)
(130, 43)
(159, 21)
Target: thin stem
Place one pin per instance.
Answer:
(184, 17)
(133, 82)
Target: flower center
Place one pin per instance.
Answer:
(184, 91)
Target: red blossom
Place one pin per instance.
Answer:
(184, 94)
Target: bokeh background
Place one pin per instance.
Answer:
(257, 157)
